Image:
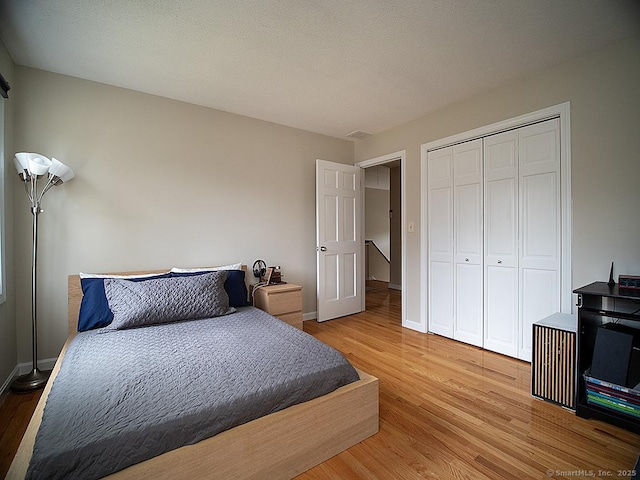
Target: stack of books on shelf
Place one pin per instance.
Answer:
(614, 397)
(613, 381)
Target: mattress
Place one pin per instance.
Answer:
(125, 396)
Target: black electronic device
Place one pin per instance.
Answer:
(259, 268)
(629, 281)
(267, 275)
(611, 281)
(612, 355)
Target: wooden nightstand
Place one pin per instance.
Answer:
(283, 301)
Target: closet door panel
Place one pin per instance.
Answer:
(440, 167)
(441, 299)
(467, 201)
(539, 147)
(441, 262)
(500, 333)
(467, 162)
(440, 238)
(468, 222)
(501, 155)
(441, 223)
(501, 221)
(501, 243)
(468, 304)
(538, 300)
(540, 227)
(467, 179)
(501, 199)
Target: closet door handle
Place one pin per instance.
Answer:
(466, 259)
(499, 261)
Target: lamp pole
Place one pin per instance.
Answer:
(30, 166)
(36, 378)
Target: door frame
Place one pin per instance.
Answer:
(372, 162)
(561, 111)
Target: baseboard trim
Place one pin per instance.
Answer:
(45, 364)
(22, 368)
(309, 316)
(5, 386)
(395, 287)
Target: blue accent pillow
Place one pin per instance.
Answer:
(234, 285)
(94, 308)
(236, 288)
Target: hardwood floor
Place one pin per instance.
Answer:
(447, 411)
(453, 411)
(15, 413)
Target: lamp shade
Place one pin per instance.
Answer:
(38, 164)
(21, 171)
(21, 161)
(60, 170)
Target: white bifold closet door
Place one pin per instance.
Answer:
(501, 243)
(467, 228)
(494, 237)
(440, 206)
(522, 249)
(455, 242)
(540, 228)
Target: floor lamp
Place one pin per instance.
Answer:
(32, 167)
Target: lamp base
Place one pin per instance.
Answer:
(31, 381)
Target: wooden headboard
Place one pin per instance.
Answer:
(75, 294)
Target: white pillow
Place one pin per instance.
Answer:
(235, 266)
(101, 275)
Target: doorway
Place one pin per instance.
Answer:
(383, 220)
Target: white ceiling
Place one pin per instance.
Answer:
(328, 66)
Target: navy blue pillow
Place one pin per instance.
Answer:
(236, 288)
(94, 309)
(234, 285)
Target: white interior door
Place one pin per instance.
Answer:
(339, 241)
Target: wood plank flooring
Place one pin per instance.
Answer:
(447, 411)
(453, 411)
(15, 413)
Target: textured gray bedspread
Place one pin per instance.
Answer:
(126, 396)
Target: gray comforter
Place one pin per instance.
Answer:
(123, 397)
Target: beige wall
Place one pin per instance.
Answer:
(395, 228)
(604, 91)
(159, 183)
(7, 312)
(162, 183)
(376, 226)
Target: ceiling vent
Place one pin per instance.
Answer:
(359, 135)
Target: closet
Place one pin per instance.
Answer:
(494, 237)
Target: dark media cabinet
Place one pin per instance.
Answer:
(618, 310)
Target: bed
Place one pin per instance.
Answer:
(277, 445)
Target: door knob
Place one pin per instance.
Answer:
(499, 261)
(323, 249)
(466, 259)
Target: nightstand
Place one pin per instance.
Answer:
(283, 300)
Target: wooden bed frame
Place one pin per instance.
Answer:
(280, 445)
